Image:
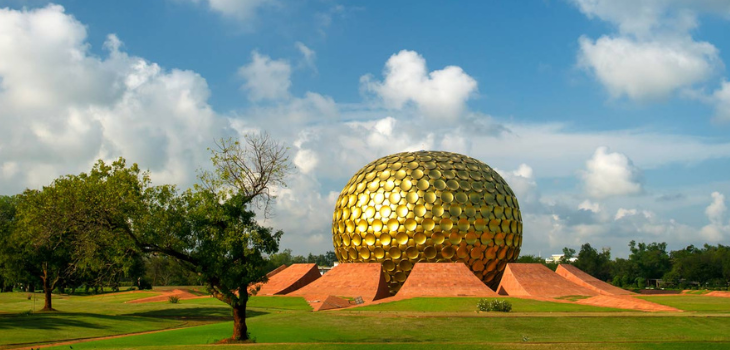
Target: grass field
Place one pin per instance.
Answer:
(693, 302)
(433, 323)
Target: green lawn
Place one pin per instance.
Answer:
(691, 302)
(433, 323)
(470, 305)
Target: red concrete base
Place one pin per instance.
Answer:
(443, 280)
(575, 275)
(536, 280)
(350, 280)
(290, 279)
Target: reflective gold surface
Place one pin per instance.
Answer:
(428, 206)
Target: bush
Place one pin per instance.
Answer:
(173, 299)
(641, 282)
(494, 305)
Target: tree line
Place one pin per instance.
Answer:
(651, 265)
(100, 227)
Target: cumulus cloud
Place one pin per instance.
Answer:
(653, 54)
(590, 206)
(437, 94)
(717, 229)
(647, 70)
(63, 108)
(266, 79)
(611, 174)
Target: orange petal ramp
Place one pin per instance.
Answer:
(326, 302)
(536, 280)
(350, 280)
(575, 275)
(443, 280)
(290, 279)
(625, 302)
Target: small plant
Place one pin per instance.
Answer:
(173, 299)
(494, 305)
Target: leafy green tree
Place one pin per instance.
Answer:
(68, 230)
(568, 253)
(594, 263)
(707, 265)
(212, 229)
(530, 259)
(8, 208)
(650, 260)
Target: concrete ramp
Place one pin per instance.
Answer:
(326, 302)
(575, 275)
(536, 280)
(350, 280)
(290, 279)
(443, 280)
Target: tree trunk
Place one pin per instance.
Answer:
(240, 330)
(48, 306)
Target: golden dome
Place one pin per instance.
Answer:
(428, 206)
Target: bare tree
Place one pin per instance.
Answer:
(253, 169)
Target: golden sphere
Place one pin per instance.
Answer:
(428, 206)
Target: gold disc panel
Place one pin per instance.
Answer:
(428, 206)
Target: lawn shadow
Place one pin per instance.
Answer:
(196, 313)
(52, 321)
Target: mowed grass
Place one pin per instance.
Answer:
(96, 316)
(331, 330)
(470, 305)
(433, 323)
(691, 302)
(470, 346)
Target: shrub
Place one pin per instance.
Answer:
(173, 299)
(494, 305)
(641, 282)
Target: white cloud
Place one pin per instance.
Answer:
(266, 79)
(237, 9)
(717, 229)
(716, 210)
(308, 56)
(647, 70)
(621, 213)
(590, 206)
(653, 54)
(440, 94)
(721, 99)
(63, 108)
(611, 174)
(647, 17)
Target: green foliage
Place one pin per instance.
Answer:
(641, 282)
(650, 260)
(709, 266)
(285, 257)
(500, 305)
(568, 253)
(594, 263)
(173, 299)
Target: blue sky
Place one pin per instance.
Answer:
(609, 118)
